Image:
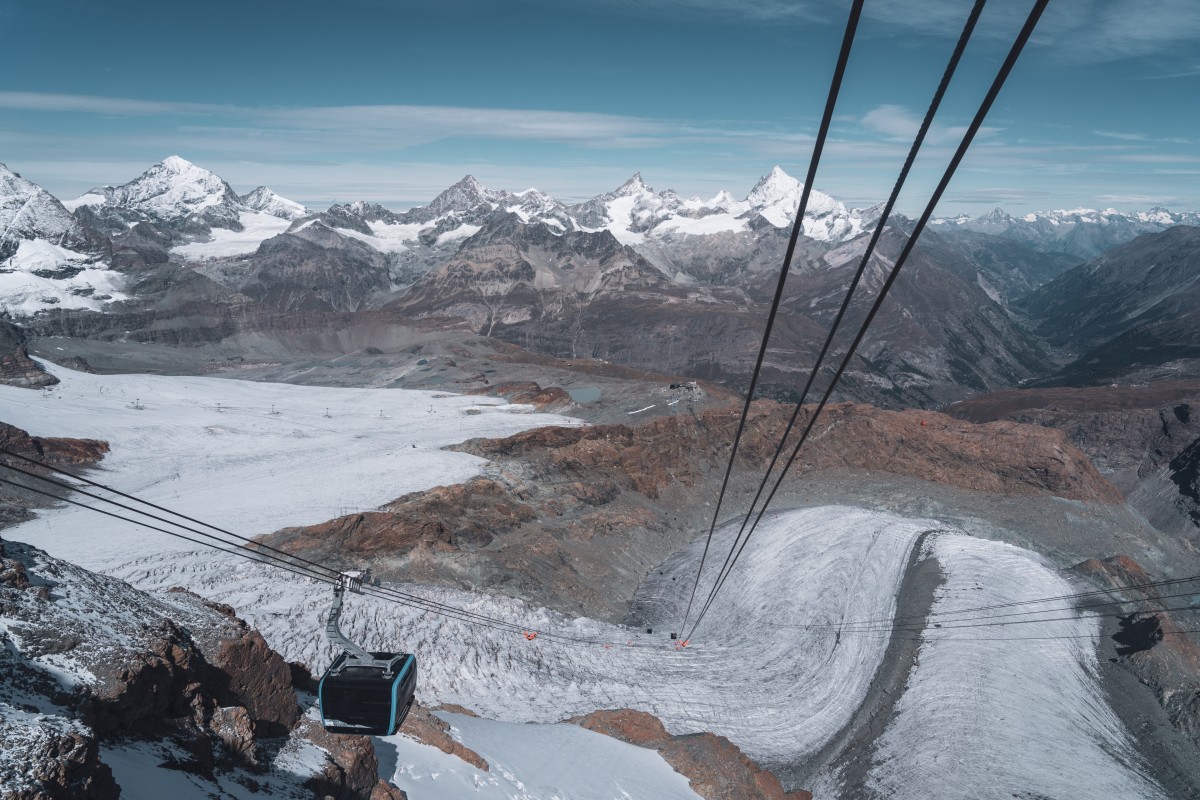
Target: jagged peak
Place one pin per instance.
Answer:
(177, 164)
(178, 171)
(635, 185)
(773, 187)
(464, 195)
(264, 200)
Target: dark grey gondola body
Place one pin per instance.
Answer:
(365, 698)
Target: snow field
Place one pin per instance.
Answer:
(212, 448)
(223, 243)
(530, 762)
(761, 671)
(1006, 710)
(23, 293)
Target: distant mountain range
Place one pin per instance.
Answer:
(637, 276)
(1082, 232)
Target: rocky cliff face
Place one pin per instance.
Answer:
(572, 518)
(1151, 640)
(314, 268)
(1145, 439)
(16, 367)
(48, 449)
(510, 273)
(88, 664)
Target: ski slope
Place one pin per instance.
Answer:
(768, 668)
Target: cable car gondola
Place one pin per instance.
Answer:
(363, 692)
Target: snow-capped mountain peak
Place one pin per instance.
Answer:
(47, 259)
(723, 200)
(171, 191)
(773, 187)
(777, 196)
(465, 195)
(27, 211)
(174, 185)
(266, 201)
(634, 186)
(177, 164)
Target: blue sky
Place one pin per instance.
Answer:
(392, 101)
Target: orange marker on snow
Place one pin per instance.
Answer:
(530, 635)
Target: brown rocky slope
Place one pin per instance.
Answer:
(16, 367)
(180, 679)
(1145, 439)
(574, 517)
(716, 768)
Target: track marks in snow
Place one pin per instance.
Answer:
(989, 715)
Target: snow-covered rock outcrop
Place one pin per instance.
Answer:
(265, 201)
(47, 259)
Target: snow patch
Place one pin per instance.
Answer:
(530, 761)
(41, 275)
(225, 243)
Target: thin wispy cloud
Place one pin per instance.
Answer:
(900, 123)
(768, 11)
(1155, 158)
(1139, 199)
(1080, 31)
(1128, 137)
(1143, 137)
(404, 125)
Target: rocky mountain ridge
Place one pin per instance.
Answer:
(636, 276)
(1145, 439)
(1082, 232)
(27, 212)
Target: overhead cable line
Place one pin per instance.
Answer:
(954, 623)
(243, 553)
(331, 573)
(1074, 618)
(1078, 595)
(994, 91)
(254, 545)
(317, 572)
(797, 229)
(956, 638)
(930, 113)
